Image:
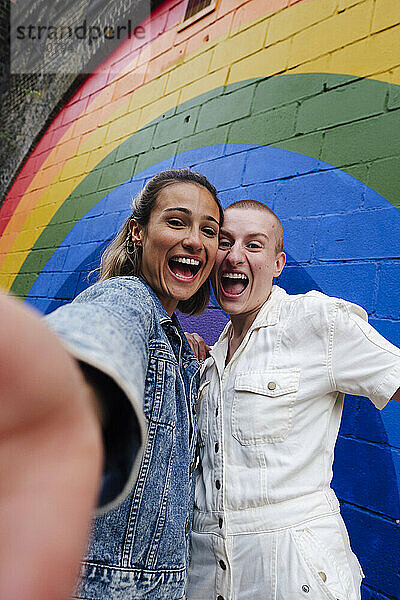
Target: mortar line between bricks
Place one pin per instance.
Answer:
(377, 279)
(382, 445)
(298, 135)
(378, 317)
(356, 211)
(372, 16)
(349, 261)
(368, 511)
(340, 48)
(383, 595)
(315, 236)
(350, 122)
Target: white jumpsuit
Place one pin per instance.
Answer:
(267, 524)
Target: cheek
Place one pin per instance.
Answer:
(158, 245)
(212, 251)
(214, 278)
(219, 257)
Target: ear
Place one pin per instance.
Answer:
(137, 232)
(280, 261)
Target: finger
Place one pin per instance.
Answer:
(203, 348)
(192, 342)
(200, 349)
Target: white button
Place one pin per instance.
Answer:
(271, 385)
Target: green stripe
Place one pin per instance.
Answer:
(350, 123)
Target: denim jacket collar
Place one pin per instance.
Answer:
(160, 312)
(169, 324)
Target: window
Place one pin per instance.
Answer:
(195, 10)
(195, 6)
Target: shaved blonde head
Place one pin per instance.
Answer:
(254, 204)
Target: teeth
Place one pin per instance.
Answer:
(187, 261)
(235, 275)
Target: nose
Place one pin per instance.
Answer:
(235, 256)
(193, 240)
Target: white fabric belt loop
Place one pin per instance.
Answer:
(270, 517)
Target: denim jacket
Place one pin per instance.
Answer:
(139, 544)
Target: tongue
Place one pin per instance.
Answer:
(234, 286)
(180, 269)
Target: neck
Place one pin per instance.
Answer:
(169, 304)
(242, 323)
(240, 326)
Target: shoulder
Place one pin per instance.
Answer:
(319, 304)
(129, 293)
(118, 300)
(118, 308)
(115, 284)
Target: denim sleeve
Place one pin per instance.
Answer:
(362, 361)
(107, 328)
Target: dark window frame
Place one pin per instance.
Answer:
(187, 21)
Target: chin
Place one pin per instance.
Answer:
(233, 310)
(230, 305)
(182, 295)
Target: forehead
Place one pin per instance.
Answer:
(194, 197)
(241, 222)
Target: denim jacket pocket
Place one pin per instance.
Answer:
(202, 413)
(160, 388)
(263, 405)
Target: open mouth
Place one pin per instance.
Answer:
(184, 268)
(234, 284)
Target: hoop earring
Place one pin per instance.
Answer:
(130, 246)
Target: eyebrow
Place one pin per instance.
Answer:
(189, 212)
(248, 235)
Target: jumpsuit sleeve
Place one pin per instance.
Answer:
(106, 328)
(361, 361)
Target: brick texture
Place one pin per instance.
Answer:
(292, 103)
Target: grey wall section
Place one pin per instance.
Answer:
(29, 102)
(28, 105)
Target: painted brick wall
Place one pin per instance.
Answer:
(295, 104)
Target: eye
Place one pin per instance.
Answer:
(224, 244)
(254, 245)
(175, 222)
(210, 231)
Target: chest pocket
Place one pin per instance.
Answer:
(160, 388)
(262, 409)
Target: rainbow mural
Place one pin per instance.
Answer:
(295, 104)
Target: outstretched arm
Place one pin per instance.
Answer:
(50, 459)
